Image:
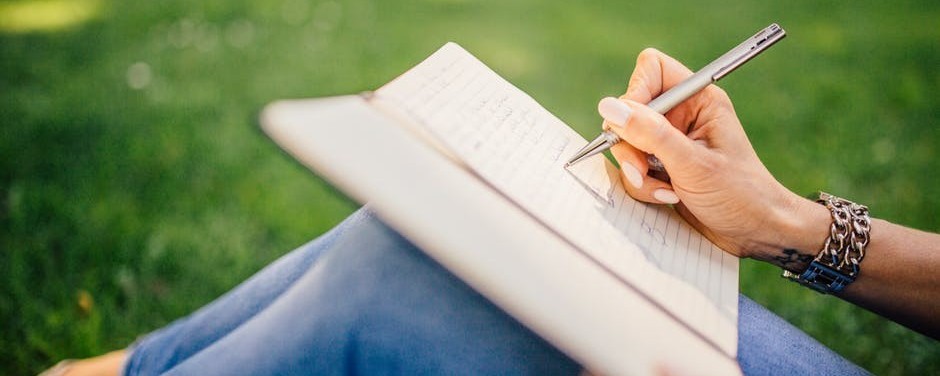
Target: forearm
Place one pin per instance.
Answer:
(899, 277)
(900, 274)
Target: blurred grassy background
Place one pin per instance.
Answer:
(135, 185)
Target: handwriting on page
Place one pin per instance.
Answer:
(518, 147)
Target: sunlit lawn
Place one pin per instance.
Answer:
(135, 185)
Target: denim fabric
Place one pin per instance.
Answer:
(361, 299)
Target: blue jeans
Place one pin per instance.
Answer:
(361, 299)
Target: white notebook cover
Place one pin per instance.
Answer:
(487, 240)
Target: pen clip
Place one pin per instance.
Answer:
(750, 48)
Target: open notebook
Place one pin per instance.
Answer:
(470, 168)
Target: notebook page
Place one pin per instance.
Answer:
(519, 148)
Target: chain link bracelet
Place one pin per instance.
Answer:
(839, 262)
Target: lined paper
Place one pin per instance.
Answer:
(510, 141)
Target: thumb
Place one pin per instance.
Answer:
(645, 129)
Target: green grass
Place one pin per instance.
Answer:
(135, 185)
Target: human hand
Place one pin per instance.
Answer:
(717, 182)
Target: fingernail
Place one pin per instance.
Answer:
(666, 196)
(632, 174)
(614, 111)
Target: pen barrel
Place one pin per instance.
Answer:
(679, 93)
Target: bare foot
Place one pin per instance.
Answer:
(103, 365)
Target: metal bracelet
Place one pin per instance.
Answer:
(838, 263)
(848, 234)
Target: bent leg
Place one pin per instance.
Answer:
(171, 345)
(373, 303)
(768, 345)
(376, 304)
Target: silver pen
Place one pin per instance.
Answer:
(712, 72)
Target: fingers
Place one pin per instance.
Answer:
(638, 184)
(655, 72)
(648, 132)
(632, 164)
(645, 132)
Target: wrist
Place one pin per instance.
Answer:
(798, 228)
